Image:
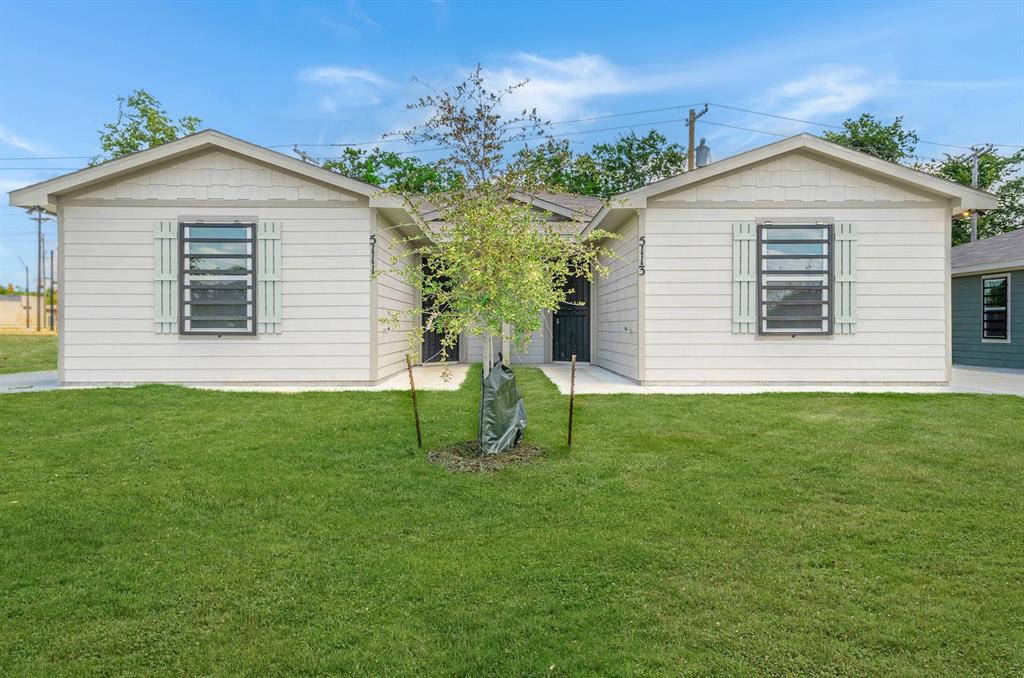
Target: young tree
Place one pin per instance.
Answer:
(494, 263)
(141, 123)
(390, 170)
(888, 142)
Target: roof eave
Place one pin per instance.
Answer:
(44, 193)
(969, 198)
(991, 267)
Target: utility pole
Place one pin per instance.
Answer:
(978, 151)
(52, 304)
(693, 124)
(305, 156)
(36, 213)
(28, 321)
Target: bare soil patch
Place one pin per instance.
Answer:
(468, 458)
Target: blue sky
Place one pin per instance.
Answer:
(293, 72)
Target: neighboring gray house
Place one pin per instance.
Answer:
(212, 260)
(988, 302)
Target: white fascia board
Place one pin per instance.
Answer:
(971, 198)
(44, 193)
(998, 267)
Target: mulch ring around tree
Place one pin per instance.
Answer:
(467, 457)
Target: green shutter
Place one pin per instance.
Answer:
(846, 279)
(268, 278)
(165, 277)
(744, 278)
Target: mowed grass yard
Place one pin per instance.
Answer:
(27, 353)
(166, 530)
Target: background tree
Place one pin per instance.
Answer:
(494, 263)
(390, 170)
(141, 123)
(1000, 174)
(631, 161)
(888, 142)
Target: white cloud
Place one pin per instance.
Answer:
(11, 139)
(340, 75)
(836, 89)
(563, 88)
(345, 87)
(357, 12)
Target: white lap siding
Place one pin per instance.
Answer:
(617, 301)
(901, 291)
(394, 296)
(472, 348)
(107, 297)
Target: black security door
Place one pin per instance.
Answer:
(431, 351)
(572, 323)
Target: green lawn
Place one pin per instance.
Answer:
(165, 530)
(27, 353)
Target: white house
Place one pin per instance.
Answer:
(212, 260)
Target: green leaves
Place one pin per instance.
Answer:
(141, 123)
(607, 169)
(390, 170)
(888, 142)
(492, 262)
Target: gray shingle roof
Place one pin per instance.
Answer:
(989, 252)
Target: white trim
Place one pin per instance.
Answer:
(1013, 265)
(1009, 281)
(44, 192)
(965, 197)
(972, 197)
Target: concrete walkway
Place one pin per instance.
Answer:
(427, 377)
(21, 382)
(595, 380)
(988, 380)
(589, 380)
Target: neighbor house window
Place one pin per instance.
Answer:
(995, 300)
(794, 279)
(218, 280)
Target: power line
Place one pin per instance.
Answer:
(541, 136)
(558, 122)
(825, 124)
(49, 157)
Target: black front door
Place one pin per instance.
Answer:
(572, 323)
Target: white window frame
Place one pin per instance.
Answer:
(1009, 305)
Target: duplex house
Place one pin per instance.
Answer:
(212, 260)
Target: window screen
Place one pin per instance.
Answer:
(794, 279)
(218, 281)
(995, 303)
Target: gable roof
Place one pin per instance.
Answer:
(968, 198)
(998, 253)
(42, 192)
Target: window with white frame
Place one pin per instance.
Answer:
(995, 303)
(794, 279)
(218, 278)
